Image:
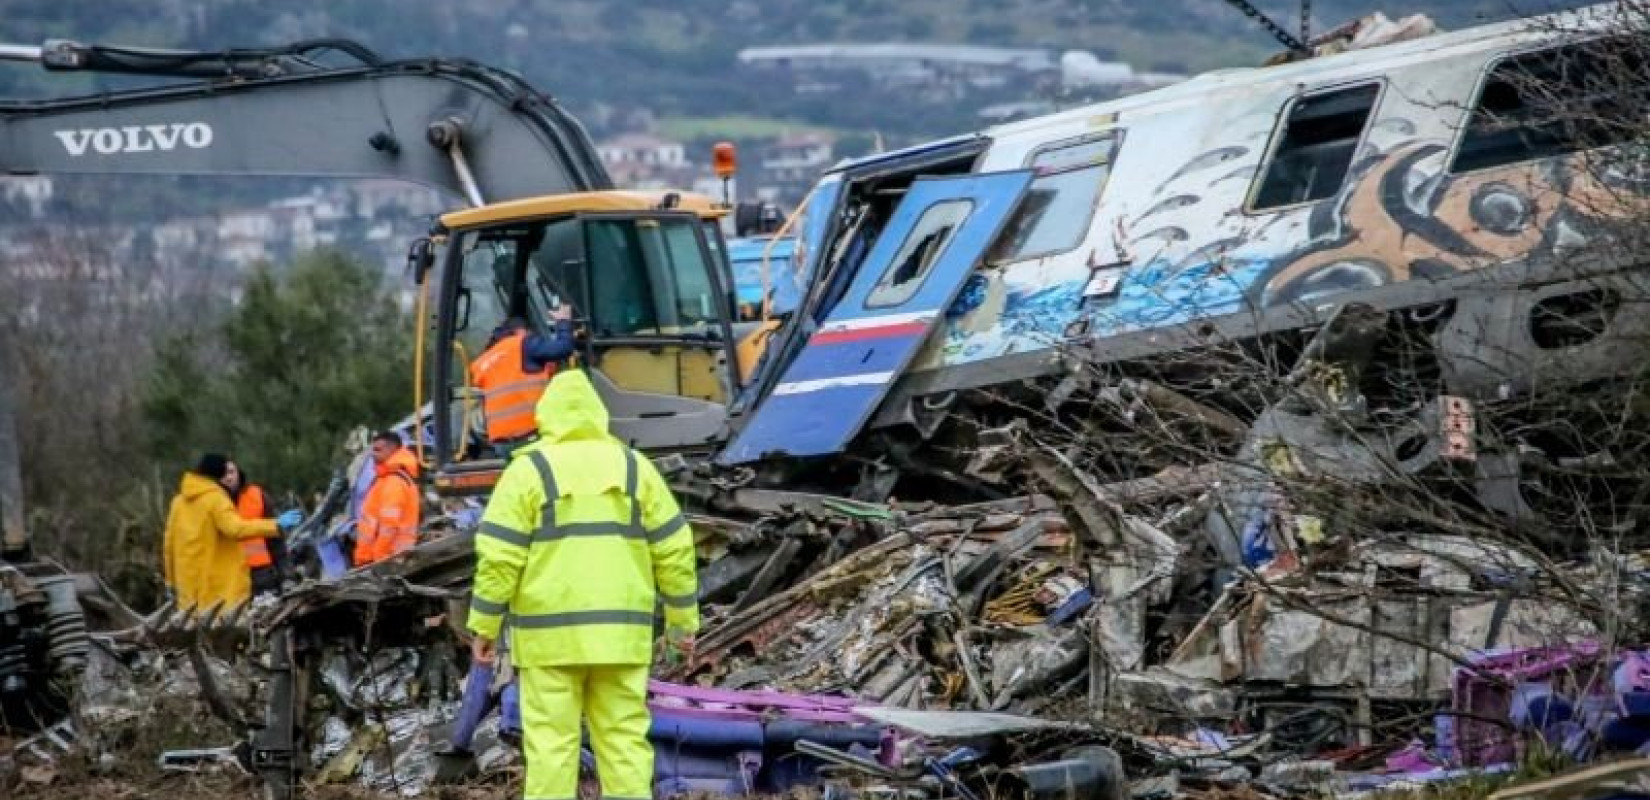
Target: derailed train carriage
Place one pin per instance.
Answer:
(1467, 202)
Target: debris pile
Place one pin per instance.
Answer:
(1351, 588)
(1213, 624)
(1101, 636)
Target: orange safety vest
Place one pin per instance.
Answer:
(389, 515)
(251, 506)
(508, 393)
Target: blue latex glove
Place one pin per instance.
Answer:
(289, 519)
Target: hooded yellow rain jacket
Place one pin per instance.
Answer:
(203, 559)
(580, 542)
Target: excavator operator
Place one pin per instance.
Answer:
(518, 363)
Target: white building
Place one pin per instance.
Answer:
(641, 149)
(902, 64)
(797, 157)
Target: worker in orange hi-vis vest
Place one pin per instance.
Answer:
(252, 503)
(390, 514)
(514, 369)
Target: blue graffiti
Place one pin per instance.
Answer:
(1042, 314)
(1157, 294)
(1161, 293)
(971, 296)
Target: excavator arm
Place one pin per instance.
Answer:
(476, 131)
(327, 108)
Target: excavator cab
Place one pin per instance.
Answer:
(651, 289)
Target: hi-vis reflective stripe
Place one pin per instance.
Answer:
(666, 530)
(486, 606)
(680, 600)
(573, 529)
(547, 477)
(514, 386)
(507, 412)
(569, 619)
(862, 379)
(550, 531)
(504, 534)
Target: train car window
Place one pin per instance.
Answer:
(1060, 202)
(1314, 152)
(1554, 102)
(916, 256)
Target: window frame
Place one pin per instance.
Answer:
(717, 292)
(1280, 129)
(1482, 81)
(869, 304)
(1116, 136)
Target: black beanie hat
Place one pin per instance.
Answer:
(213, 465)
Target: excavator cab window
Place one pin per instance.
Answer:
(556, 275)
(494, 285)
(482, 303)
(650, 303)
(662, 283)
(658, 311)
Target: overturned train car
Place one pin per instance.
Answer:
(1475, 197)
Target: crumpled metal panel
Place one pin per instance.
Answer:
(1301, 647)
(409, 768)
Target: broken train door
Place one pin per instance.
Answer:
(913, 273)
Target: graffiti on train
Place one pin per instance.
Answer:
(1401, 216)
(1192, 253)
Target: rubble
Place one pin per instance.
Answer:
(1035, 644)
(1100, 638)
(1327, 596)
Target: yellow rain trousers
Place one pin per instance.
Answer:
(613, 700)
(580, 545)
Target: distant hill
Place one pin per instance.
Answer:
(676, 58)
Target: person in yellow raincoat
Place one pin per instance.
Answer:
(580, 543)
(202, 555)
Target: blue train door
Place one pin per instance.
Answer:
(913, 273)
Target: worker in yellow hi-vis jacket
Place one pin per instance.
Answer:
(579, 544)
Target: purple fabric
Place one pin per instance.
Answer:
(686, 762)
(1557, 693)
(1411, 759)
(1481, 696)
(713, 741)
(673, 727)
(760, 699)
(1633, 673)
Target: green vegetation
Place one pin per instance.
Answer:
(121, 392)
(306, 356)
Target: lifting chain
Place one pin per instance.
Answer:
(1277, 31)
